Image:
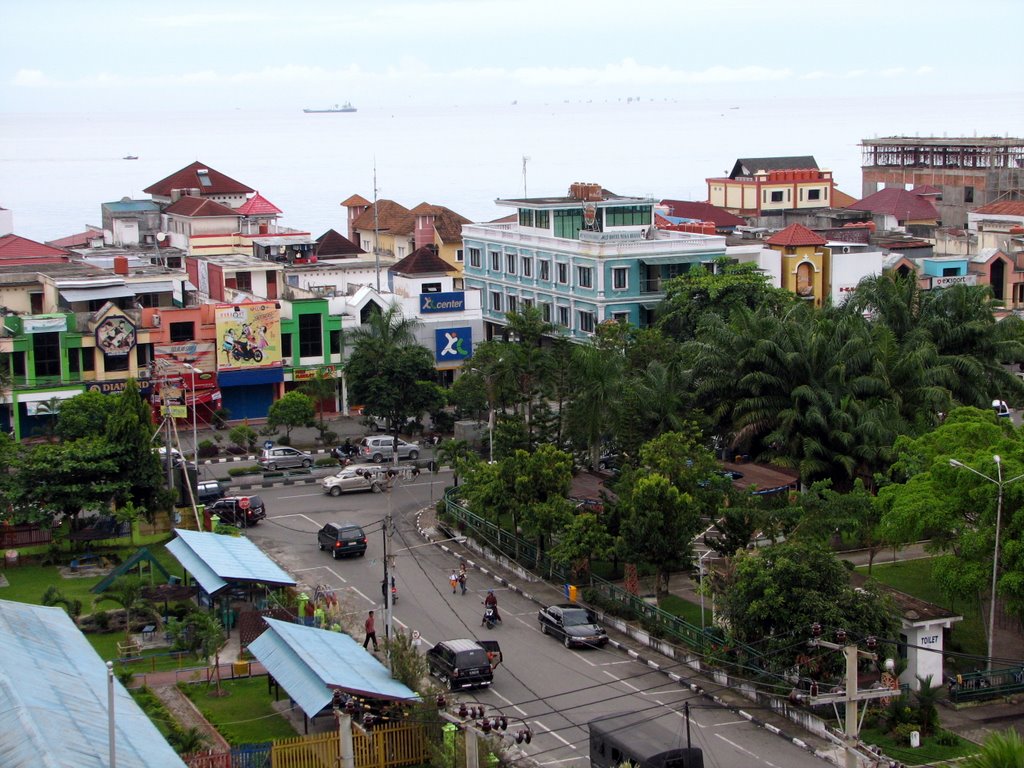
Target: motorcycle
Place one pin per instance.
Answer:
(241, 350)
(490, 617)
(394, 592)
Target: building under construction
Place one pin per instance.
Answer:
(965, 173)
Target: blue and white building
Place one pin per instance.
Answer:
(582, 259)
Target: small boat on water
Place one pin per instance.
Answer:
(346, 107)
(130, 157)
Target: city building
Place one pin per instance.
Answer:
(966, 173)
(770, 186)
(581, 259)
(894, 209)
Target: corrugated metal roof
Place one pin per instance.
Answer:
(214, 560)
(53, 699)
(309, 663)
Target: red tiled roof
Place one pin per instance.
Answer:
(840, 199)
(189, 178)
(81, 238)
(796, 234)
(331, 243)
(448, 225)
(926, 189)
(892, 201)
(685, 209)
(355, 200)
(258, 205)
(199, 206)
(391, 217)
(15, 249)
(1003, 208)
(422, 261)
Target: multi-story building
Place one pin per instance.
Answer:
(581, 259)
(771, 186)
(966, 172)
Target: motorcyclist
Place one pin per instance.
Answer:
(492, 602)
(384, 590)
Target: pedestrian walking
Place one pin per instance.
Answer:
(462, 580)
(371, 632)
(454, 581)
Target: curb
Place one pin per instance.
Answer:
(649, 663)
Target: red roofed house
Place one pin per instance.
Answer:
(685, 209)
(771, 185)
(15, 249)
(805, 262)
(259, 215)
(999, 225)
(894, 209)
(199, 180)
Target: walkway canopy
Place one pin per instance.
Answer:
(309, 663)
(219, 562)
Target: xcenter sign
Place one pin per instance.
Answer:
(453, 301)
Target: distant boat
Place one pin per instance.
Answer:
(130, 157)
(346, 107)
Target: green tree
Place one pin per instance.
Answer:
(130, 431)
(408, 665)
(85, 415)
(127, 593)
(187, 740)
(773, 596)
(322, 387)
(294, 409)
(582, 540)
(456, 454)
(594, 407)
(658, 527)
(53, 596)
(1001, 749)
(244, 437)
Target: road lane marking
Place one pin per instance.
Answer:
(303, 495)
(294, 514)
(746, 751)
(327, 568)
(552, 733)
(509, 703)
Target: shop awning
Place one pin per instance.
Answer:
(94, 294)
(159, 286)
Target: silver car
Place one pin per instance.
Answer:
(354, 479)
(284, 456)
(380, 448)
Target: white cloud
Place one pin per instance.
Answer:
(30, 78)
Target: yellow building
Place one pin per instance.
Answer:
(765, 185)
(806, 262)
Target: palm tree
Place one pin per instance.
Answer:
(1001, 749)
(188, 740)
(53, 596)
(455, 453)
(126, 593)
(926, 695)
(596, 402)
(322, 386)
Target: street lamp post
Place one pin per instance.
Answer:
(1000, 484)
(700, 565)
(195, 431)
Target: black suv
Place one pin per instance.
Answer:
(243, 511)
(464, 663)
(342, 539)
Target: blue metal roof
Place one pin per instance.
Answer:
(132, 206)
(309, 663)
(214, 560)
(53, 699)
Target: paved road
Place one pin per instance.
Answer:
(555, 690)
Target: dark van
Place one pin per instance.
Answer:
(464, 663)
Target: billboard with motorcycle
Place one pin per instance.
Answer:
(248, 336)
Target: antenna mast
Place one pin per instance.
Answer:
(526, 159)
(376, 227)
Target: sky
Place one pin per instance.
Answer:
(113, 55)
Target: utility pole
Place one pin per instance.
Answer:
(376, 227)
(851, 696)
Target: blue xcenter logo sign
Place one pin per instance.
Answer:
(453, 344)
(452, 301)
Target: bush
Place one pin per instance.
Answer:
(284, 440)
(244, 437)
(901, 733)
(947, 739)
(240, 471)
(208, 449)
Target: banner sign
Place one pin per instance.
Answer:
(43, 323)
(453, 301)
(170, 358)
(453, 344)
(945, 282)
(115, 336)
(249, 336)
(305, 374)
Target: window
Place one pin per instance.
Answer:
(545, 311)
(620, 278)
(513, 303)
(527, 267)
(542, 219)
(621, 317)
(286, 345)
(46, 348)
(183, 331)
(525, 217)
(115, 362)
(366, 244)
(311, 341)
(627, 215)
(401, 251)
(510, 263)
(74, 355)
(243, 281)
(777, 196)
(459, 256)
(495, 301)
(544, 267)
(527, 303)
(334, 339)
(814, 194)
(458, 283)
(88, 359)
(585, 277)
(430, 288)
(563, 274)
(474, 258)
(968, 194)
(495, 261)
(586, 321)
(568, 224)
(563, 316)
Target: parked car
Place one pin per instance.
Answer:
(342, 539)
(243, 511)
(354, 479)
(574, 624)
(284, 456)
(208, 491)
(380, 448)
(1001, 408)
(176, 458)
(464, 663)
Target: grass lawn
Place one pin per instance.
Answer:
(245, 715)
(915, 578)
(685, 610)
(929, 752)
